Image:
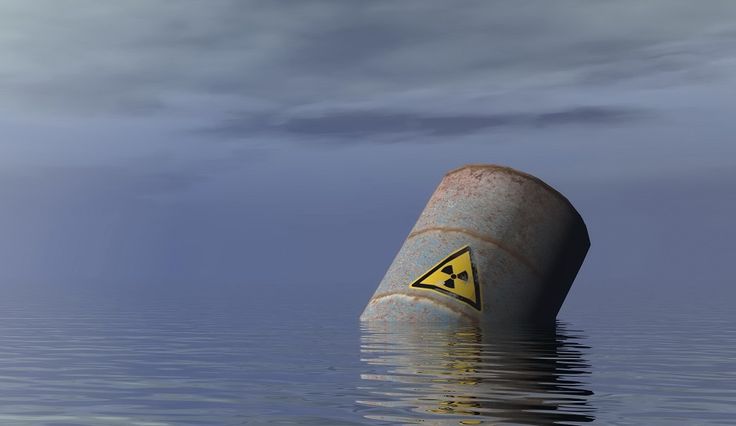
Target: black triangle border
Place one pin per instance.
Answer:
(418, 283)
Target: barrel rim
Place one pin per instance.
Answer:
(513, 171)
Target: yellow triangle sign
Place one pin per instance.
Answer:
(454, 276)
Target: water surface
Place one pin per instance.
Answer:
(167, 364)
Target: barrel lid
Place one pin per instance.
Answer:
(512, 171)
(495, 168)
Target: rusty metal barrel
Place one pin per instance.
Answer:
(494, 245)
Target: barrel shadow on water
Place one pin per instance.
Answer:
(449, 376)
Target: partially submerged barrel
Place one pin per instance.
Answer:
(493, 245)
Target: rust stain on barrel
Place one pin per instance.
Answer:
(513, 172)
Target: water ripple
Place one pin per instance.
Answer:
(444, 376)
(168, 366)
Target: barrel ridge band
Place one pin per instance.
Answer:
(513, 253)
(512, 171)
(378, 297)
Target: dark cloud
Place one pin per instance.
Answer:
(378, 123)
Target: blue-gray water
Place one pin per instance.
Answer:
(168, 363)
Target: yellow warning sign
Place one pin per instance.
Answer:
(454, 276)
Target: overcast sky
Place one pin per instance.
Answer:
(266, 151)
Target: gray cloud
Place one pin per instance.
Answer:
(103, 179)
(142, 57)
(379, 123)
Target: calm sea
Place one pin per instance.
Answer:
(175, 364)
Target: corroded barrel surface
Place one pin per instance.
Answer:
(493, 245)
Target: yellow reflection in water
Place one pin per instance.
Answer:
(443, 375)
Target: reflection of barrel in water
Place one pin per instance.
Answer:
(440, 376)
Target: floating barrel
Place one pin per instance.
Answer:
(493, 245)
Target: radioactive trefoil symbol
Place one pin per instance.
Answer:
(453, 276)
(450, 282)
